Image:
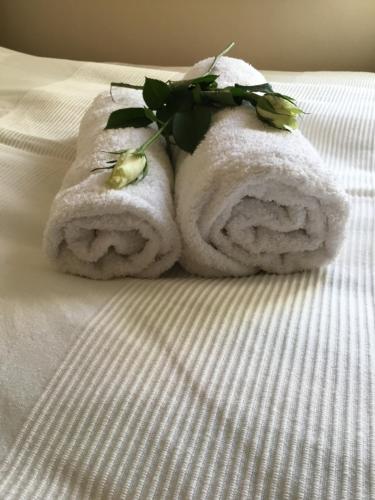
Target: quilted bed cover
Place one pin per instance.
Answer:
(181, 388)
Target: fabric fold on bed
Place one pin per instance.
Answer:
(252, 197)
(103, 233)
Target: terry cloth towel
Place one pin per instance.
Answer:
(252, 197)
(104, 233)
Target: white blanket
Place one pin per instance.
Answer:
(254, 198)
(259, 387)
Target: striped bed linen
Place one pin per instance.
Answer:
(181, 388)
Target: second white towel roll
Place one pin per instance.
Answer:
(252, 197)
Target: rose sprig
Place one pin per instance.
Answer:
(182, 113)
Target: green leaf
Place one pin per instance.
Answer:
(220, 97)
(189, 127)
(163, 115)
(155, 93)
(128, 117)
(248, 92)
(239, 94)
(180, 99)
(261, 101)
(196, 91)
(263, 87)
(204, 82)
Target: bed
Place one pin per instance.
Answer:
(251, 388)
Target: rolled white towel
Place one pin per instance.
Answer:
(252, 197)
(105, 233)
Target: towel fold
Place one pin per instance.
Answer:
(252, 197)
(104, 233)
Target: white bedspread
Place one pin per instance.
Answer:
(181, 387)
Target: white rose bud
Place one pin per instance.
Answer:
(277, 111)
(130, 167)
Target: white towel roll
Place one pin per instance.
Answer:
(105, 233)
(252, 197)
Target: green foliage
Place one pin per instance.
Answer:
(155, 93)
(205, 82)
(180, 99)
(182, 110)
(128, 117)
(219, 98)
(189, 127)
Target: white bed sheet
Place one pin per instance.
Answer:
(181, 387)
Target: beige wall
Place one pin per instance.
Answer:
(272, 34)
